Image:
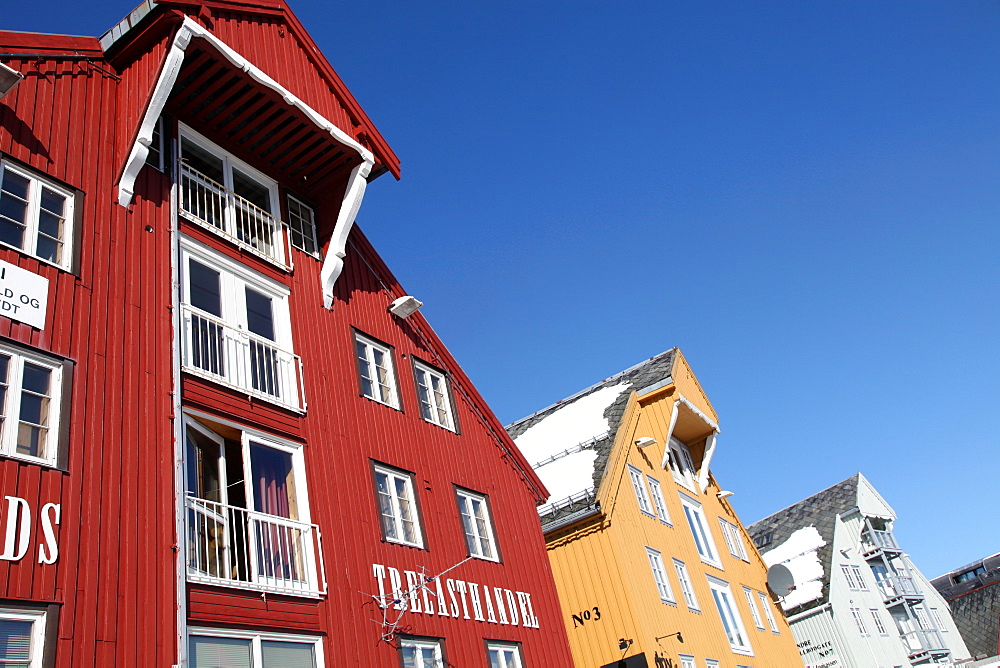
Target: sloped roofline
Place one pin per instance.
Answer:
(807, 498)
(387, 157)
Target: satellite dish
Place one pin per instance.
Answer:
(780, 580)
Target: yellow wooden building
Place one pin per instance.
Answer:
(652, 564)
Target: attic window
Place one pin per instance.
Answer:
(971, 574)
(763, 540)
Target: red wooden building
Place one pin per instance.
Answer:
(218, 445)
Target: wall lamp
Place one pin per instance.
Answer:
(725, 494)
(624, 644)
(645, 441)
(405, 306)
(9, 77)
(680, 638)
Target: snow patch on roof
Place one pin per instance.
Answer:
(800, 554)
(563, 428)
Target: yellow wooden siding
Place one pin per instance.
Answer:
(602, 562)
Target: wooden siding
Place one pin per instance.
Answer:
(602, 562)
(113, 580)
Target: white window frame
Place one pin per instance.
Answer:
(641, 495)
(700, 531)
(426, 375)
(387, 393)
(36, 184)
(765, 604)
(297, 224)
(393, 474)
(508, 655)
(37, 618)
(687, 587)
(734, 541)
(312, 583)
(859, 622)
(682, 464)
(758, 621)
(711, 663)
(938, 621)
(422, 645)
(729, 616)
(234, 279)
(687, 661)
(879, 625)
(11, 408)
(468, 503)
(660, 576)
(656, 491)
(256, 638)
(855, 580)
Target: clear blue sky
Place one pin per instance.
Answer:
(803, 196)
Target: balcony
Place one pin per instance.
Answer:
(897, 586)
(873, 540)
(923, 641)
(223, 212)
(239, 359)
(237, 547)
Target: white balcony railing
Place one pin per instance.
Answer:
(923, 640)
(894, 586)
(873, 539)
(236, 547)
(240, 359)
(225, 213)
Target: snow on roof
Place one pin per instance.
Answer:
(800, 554)
(563, 428)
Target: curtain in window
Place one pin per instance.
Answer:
(287, 654)
(15, 643)
(219, 652)
(279, 545)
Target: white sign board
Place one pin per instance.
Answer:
(24, 296)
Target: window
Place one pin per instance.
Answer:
(734, 541)
(699, 529)
(640, 490)
(504, 655)
(229, 198)
(247, 511)
(157, 155)
(22, 638)
(937, 620)
(375, 371)
(475, 511)
(686, 588)
(236, 327)
(660, 576)
(421, 653)
(687, 661)
(970, 574)
(852, 574)
(858, 621)
(757, 620)
(397, 506)
(681, 464)
(711, 663)
(879, 626)
(215, 648)
(435, 400)
(765, 604)
(763, 540)
(36, 215)
(30, 398)
(302, 226)
(730, 616)
(658, 501)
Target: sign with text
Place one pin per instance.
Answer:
(24, 296)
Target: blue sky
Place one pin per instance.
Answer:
(803, 196)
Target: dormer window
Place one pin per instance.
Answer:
(230, 198)
(681, 464)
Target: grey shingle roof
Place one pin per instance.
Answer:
(819, 510)
(641, 375)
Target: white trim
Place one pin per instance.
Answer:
(37, 638)
(465, 506)
(255, 637)
(706, 459)
(32, 215)
(180, 444)
(10, 410)
(681, 399)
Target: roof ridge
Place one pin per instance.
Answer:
(803, 500)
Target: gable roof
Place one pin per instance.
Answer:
(819, 510)
(569, 442)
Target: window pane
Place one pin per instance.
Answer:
(219, 652)
(260, 318)
(251, 190)
(206, 289)
(13, 208)
(15, 642)
(273, 483)
(201, 160)
(287, 654)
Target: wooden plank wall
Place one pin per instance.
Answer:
(113, 321)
